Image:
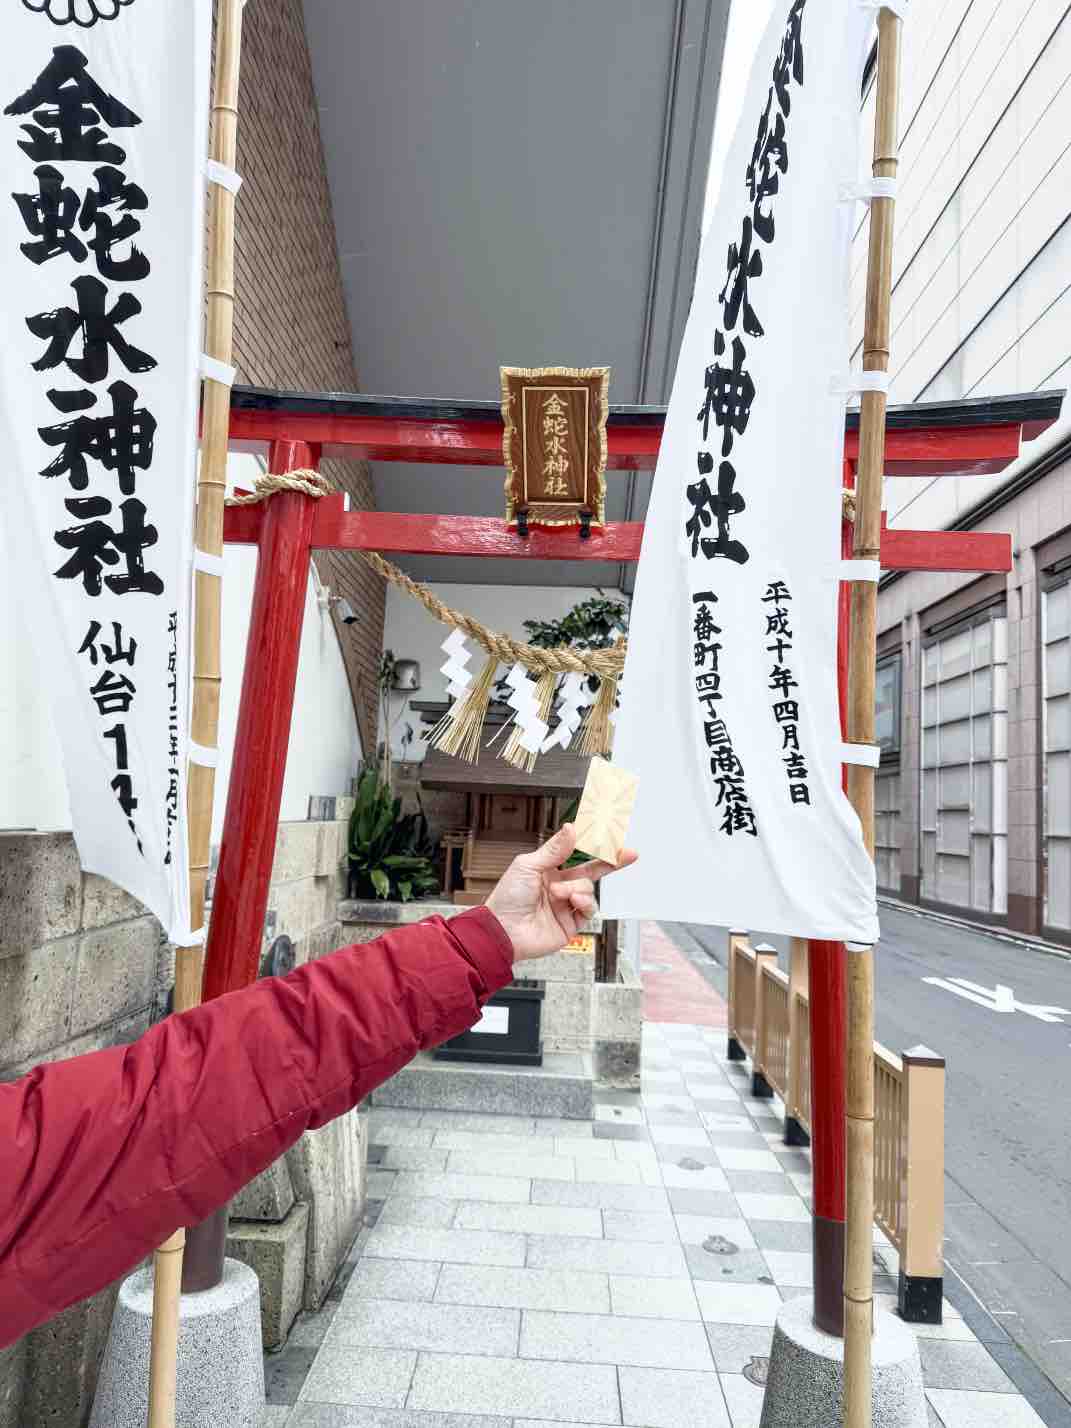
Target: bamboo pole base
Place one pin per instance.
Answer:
(805, 1383)
(167, 1279)
(217, 1372)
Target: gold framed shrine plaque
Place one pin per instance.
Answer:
(554, 444)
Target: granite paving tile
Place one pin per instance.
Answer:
(412, 1210)
(744, 1267)
(547, 1127)
(791, 1235)
(326, 1415)
(455, 1186)
(733, 1157)
(619, 1115)
(378, 1377)
(791, 1269)
(962, 1365)
(959, 1408)
(413, 1157)
(638, 1297)
(670, 1398)
(634, 1225)
(606, 1256)
(543, 1167)
(773, 1207)
(454, 1246)
(392, 1116)
(661, 1117)
(719, 1203)
(694, 1176)
(391, 1279)
(379, 1184)
(680, 1135)
(578, 1393)
(285, 1372)
(648, 1198)
(401, 1135)
(569, 1291)
(744, 1400)
(695, 1229)
(584, 1149)
(735, 1345)
(605, 1131)
(614, 1172)
(530, 1219)
(737, 1303)
(478, 1121)
(759, 1182)
(435, 1328)
(614, 1339)
(494, 1144)
(687, 1157)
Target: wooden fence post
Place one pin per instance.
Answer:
(921, 1286)
(760, 1087)
(797, 987)
(734, 1050)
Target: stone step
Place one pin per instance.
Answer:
(562, 1086)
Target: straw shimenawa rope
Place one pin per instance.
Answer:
(604, 664)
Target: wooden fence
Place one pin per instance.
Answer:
(769, 1021)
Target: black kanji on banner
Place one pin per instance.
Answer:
(88, 223)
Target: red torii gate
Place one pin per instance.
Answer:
(299, 430)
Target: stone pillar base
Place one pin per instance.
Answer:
(806, 1375)
(220, 1367)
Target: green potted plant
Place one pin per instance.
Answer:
(389, 854)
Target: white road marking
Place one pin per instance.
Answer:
(1000, 999)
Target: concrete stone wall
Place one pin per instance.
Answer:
(295, 1223)
(82, 967)
(579, 1014)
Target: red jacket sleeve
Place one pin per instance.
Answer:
(103, 1156)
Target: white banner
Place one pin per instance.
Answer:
(729, 698)
(103, 137)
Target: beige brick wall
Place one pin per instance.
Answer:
(291, 328)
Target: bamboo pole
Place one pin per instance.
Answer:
(204, 716)
(858, 1258)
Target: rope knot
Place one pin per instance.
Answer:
(304, 479)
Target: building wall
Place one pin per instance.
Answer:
(291, 327)
(1039, 520)
(981, 303)
(980, 307)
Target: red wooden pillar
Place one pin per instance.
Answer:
(828, 1015)
(247, 848)
(262, 737)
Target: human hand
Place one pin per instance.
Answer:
(540, 906)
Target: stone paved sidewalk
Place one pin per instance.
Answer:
(527, 1271)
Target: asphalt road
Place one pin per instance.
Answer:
(1008, 1113)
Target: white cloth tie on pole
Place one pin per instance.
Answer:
(223, 174)
(207, 564)
(863, 755)
(852, 570)
(213, 370)
(868, 189)
(841, 386)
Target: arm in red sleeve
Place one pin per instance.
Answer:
(105, 1155)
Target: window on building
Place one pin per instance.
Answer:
(965, 763)
(887, 782)
(1056, 743)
